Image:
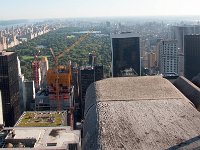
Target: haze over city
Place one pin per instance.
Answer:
(37, 9)
(100, 74)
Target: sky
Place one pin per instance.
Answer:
(39, 9)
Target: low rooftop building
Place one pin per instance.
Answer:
(42, 119)
(43, 138)
(43, 130)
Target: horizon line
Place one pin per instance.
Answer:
(88, 17)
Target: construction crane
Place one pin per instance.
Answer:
(56, 67)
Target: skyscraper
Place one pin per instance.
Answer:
(44, 65)
(21, 86)
(192, 56)
(168, 62)
(9, 87)
(178, 33)
(36, 73)
(1, 111)
(125, 54)
(88, 75)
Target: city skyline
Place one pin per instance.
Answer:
(35, 9)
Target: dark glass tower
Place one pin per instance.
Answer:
(178, 33)
(9, 87)
(88, 75)
(125, 54)
(191, 55)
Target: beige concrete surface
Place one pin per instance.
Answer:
(139, 113)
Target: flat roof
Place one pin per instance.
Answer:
(139, 113)
(124, 35)
(45, 137)
(4, 53)
(42, 119)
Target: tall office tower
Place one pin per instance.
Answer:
(21, 87)
(44, 66)
(125, 54)
(29, 94)
(88, 75)
(36, 73)
(178, 33)
(192, 56)
(168, 57)
(1, 112)
(9, 87)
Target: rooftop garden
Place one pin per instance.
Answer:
(41, 119)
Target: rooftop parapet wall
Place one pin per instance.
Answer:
(190, 90)
(130, 89)
(139, 113)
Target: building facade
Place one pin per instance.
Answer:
(87, 76)
(28, 94)
(178, 33)
(44, 65)
(21, 87)
(152, 60)
(125, 54)
(36, 73)
(168, 55)
(9, 87)
(192, 56)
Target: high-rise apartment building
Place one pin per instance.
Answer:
(168, 57)
(125, 54)
(152, 60)
(178, 33)
(192, 56)
(9, 87)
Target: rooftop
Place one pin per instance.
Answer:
(124, 35)
(4, 53)
(139, 113)
(43, 137)
(42, 119)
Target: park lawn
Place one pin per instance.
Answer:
(32, 57)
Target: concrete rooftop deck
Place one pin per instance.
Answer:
(139, 113)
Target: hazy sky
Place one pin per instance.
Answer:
(35, 9)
